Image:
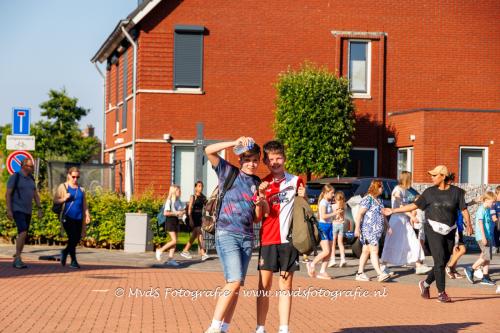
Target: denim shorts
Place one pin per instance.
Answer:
(235, 252)
(325, 231)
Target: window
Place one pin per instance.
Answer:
(125, 77)
(474, 165)
(188, 56)
(359, 67)
(117, 110)
(405, 160)
(363, 162)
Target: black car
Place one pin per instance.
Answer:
(352, 186)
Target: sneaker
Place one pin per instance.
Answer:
(424, 269)
(213, 330)
(469, 274)
(443, 298)
(158, 254)
(172, 263)
(342, 263)
(383, 277)
(362, 277)
(18, 263)
(74, 264)
(390, 273)
(310, 269)
(424, 291)
(386, 270)
(205, 257)
(186, 255)
(487, 281)
(331, 263)
(324, 276)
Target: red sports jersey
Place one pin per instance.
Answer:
(280, 197)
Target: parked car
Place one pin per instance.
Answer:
(352, 186)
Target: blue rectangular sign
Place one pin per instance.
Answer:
(21, 121)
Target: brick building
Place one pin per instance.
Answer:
(425, 80)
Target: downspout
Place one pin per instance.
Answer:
(134, 89)
(103, 141)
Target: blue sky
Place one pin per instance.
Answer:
(48, 45)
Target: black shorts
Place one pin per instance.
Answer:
(278, 258)
(172, 224)
(22, 220)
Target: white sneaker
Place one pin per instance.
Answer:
(172, 263)
(362, 277)
(342, 263)
(158, 255)
(186, 255)
(331, 263)
(383, 277)
(422, 269)
(213, 330)
(205, 257)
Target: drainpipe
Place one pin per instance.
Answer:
(134, 89)
(103, 141)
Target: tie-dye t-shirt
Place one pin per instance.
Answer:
(237, 210)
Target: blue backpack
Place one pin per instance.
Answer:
(160, 217)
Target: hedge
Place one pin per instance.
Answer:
(107, 226)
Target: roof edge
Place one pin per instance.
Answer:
(116, 36)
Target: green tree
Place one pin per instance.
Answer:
(315, 120)
(58, 137)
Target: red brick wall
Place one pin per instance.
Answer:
(439, 141)
(437, 54)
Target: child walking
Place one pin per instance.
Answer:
(338, 228)
(484, 237)
(325, 229)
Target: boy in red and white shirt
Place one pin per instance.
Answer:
(277, 253)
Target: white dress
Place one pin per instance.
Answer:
(402, 247)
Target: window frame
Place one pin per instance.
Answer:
(485, 162)
(368, 42)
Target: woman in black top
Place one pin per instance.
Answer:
(195, 208)
(440, 203)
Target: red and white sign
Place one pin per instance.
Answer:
(15, 159)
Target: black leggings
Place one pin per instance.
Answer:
(73, 229)
(441, 247)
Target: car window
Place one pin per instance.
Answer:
(388, 188)
(362, 188)
(313, 190)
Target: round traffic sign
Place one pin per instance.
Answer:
(15, 159)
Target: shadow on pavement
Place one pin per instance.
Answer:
(449, 328)
(44, 268)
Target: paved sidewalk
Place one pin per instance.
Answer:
(114, 298)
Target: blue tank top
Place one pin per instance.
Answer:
(74, 206)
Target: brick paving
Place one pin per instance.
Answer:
(49, 298)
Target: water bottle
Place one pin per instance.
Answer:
(240, 149)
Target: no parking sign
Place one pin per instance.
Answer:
(15, 159)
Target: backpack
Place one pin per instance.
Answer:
(213, 205)
(304, 230)
(160, 217)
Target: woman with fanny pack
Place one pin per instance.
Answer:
(440, 204)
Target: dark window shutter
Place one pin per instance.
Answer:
(125, 76)
(188, 56)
